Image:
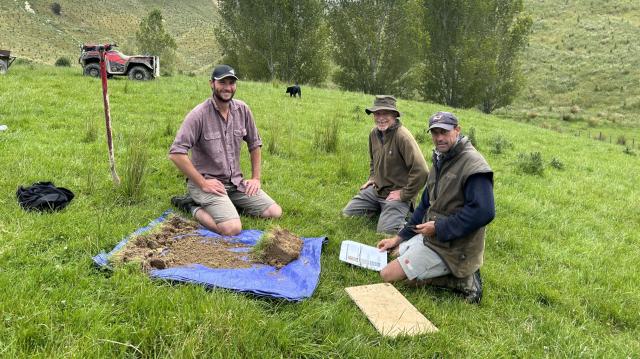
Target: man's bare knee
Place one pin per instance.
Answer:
(385, 275)
(229, 228)
(392, 272)
(273, 211)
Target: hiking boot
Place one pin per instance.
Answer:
(184, 203)
(473, 293)
(469, 287)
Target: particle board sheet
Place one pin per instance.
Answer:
(389, 311)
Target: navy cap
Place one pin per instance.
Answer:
(444, 120)
(223, 71)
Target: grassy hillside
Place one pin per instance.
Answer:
(582, 65)
(585, 55)
(561, 256)
(43, 37)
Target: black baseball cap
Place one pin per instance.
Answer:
(444, 120)
(223, 71)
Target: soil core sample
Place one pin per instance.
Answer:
(277, 247)
(175, 243)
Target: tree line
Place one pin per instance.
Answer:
(462, 53)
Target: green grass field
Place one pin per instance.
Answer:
(560, 263)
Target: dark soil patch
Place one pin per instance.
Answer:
(174, 243)
(277, 247)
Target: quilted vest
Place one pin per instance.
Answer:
(463, 255)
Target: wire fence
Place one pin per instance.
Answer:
(601, 136)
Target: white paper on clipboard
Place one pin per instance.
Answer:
(362, 255)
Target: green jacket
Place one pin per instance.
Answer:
(396, 162)
(464, 255)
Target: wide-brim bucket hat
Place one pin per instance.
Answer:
(383, 102)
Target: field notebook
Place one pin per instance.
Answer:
(362, 255)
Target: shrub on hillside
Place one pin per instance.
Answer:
(471, 135)
(593, 122)
(63, 62)
(531, 163)
(56, 8)
(622, 140)
(20, 61)
(556, 163)
(499, 144)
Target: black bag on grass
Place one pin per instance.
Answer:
(43, 196)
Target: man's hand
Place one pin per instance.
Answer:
(366, 184)
(394, 195)
(388, 243)
(214, 186)
(426, 229)
(253, 186)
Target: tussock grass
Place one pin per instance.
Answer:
(499, 144)
(531, 163)
(133, 183)
(560, 268)
(326, 136)
(91, 131)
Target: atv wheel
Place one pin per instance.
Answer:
(3, 67)
(92, 70)
(139, 73)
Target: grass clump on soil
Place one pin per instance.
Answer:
(277, 247)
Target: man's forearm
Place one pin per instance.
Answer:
(256, 158)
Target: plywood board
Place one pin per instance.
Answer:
(389, 311)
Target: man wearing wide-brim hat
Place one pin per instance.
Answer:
(443, 242)
(397, 170)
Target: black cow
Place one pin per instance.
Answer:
(293, 91)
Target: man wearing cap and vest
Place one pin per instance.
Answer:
(214, 131)
(443, 242)
(397, 170)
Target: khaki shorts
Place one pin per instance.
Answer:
(419, 261)
(224, 208)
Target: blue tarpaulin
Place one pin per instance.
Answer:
(295, 281)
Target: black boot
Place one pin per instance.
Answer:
(472, 290)
(469, 287)
(184, 203)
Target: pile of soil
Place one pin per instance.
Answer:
(278, 247)
(174, 243)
